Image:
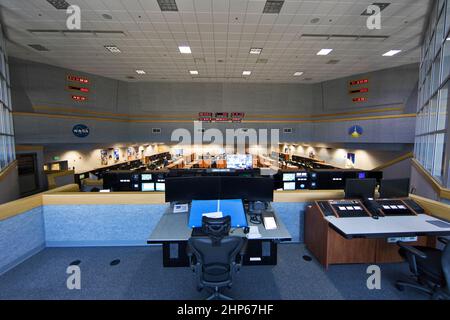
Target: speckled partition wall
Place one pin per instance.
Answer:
(100, 225)
(24, 235)
(292, 214)
(21, 237)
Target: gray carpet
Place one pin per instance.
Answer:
(140, 275)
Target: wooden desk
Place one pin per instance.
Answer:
(330, 247)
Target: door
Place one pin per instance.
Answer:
(28, 173)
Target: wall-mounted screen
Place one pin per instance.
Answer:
(160, 186)
(146, 177)
(288, 176)
(239, 161)
(148, 187)
(289, 186)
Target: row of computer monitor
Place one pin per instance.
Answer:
(184, 189)
(321, 179)
(365, 188)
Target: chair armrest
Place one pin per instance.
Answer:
(443, 240)
(412, 250)
(191, 257)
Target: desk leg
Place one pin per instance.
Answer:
(261, 252)
(174, 254)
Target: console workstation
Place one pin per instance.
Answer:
(247, 200)
(365, 229)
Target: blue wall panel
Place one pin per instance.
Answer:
(100, 225)
(21, 237)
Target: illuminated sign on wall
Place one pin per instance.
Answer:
(358, 82)
(80, 89)
(221, 116)
(359, 87)
(77, 79)
(79, 98)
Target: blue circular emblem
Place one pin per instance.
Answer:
(355, 131)
(80, 131)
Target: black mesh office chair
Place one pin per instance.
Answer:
(430, 268)
(216, 257)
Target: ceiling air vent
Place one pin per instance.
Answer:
(332, 61)
(156, 130)
(38, 47)
(167, 5)
(262, 60)
(381, 5)
(273, 6)
(59, 4)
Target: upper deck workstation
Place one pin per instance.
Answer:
(255, 150)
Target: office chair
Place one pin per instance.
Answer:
(430, 268)
(216, 257)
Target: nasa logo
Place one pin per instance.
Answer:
(80, 131)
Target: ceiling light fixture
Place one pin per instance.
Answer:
(255, 50)
(246, 73)
(298, 73)
(140, 71)
(167, 5)
(193, 72)
(273, 6)
(324, 52)
(113, 48)
(184, 49)
(391, 53)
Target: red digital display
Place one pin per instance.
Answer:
(81, 89)
(357, 82)
(221, 116)
(361, 90)
(79, 98)
(205, 116)
(77, 79)
(237, 114)
(360, 99)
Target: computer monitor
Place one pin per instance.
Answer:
(288, 176)
(239, 161)
(148, 186)
(394, 188)
(146, 177)
(192, 188)
(247, 188)
(289, 186)
(160, 186)
(360, 188)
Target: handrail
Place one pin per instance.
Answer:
(394, 161)
(440, 190)
(16, 207)
(7, 170)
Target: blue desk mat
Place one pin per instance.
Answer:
(233, 208)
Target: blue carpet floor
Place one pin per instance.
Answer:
(140, 275)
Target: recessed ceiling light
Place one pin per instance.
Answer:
(59, 4)
(167, 5)
(246, 73)
(324, 52)
(381, 5)
(273, 6)
(391, 53)
(140, 71)
(185, 49)
(298, 73)
(112, 48)
(255, 50)
(193, 72)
